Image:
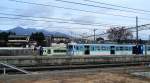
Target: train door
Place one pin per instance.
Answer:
(87, 50)
(112, 49)
(138, 49)
(70, 50)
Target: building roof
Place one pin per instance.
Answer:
(18, 36)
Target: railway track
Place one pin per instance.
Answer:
(41, 63)
(69, 67)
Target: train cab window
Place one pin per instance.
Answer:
(49, 51)
(70, 47)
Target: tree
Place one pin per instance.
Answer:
(99, 39)
(4, 37)
(11, 33)
(117, 34)
(38, 37)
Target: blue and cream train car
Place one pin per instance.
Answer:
(105, 49)
(147, 49)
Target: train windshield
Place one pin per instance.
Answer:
(70, 47)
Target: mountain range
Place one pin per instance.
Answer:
(28, 31)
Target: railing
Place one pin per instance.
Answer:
(5, 66)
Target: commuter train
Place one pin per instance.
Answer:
(107, 49)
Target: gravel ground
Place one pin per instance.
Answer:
(99, 77)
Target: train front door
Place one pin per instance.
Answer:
(87, 50)
(112, 49)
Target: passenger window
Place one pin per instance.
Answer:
(103, 48)
(148, 48)
(59, 51)
(92, 48)
(108, 48)
(77, 48)
(49, 51)
(98, 48)
(130, 48)
(121, 48)
(126, 48)
(81, 48)
(117, 48)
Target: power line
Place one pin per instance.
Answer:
(74, 9)
(100, 6)
(52, 27)
(117, 6)
(141, 26)
(98, 24)
(53, 6)
(44, 21)
(49, 17)
(9, 8)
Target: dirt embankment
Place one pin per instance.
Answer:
(102, 77)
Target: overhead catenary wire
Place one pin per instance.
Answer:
(140, 29)
(50, 27)
(51, 21)
(81, 10)
(42, 20)
(54, 18)
(103, 7)
(12, 18)
(77, 9)
(47, 21)
(98, 2)
(57, 18)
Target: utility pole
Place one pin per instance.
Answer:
(137, 38)
(137, 32)
(149, 40)
(94, 35)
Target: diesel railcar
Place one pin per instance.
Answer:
(54, 51)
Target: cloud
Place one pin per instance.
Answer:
(38, 11)
(35, 12)
(85, 19)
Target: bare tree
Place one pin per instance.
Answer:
(119, 33)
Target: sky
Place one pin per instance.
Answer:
(75, 18)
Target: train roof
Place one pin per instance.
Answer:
(55, 47)
(102, 44)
